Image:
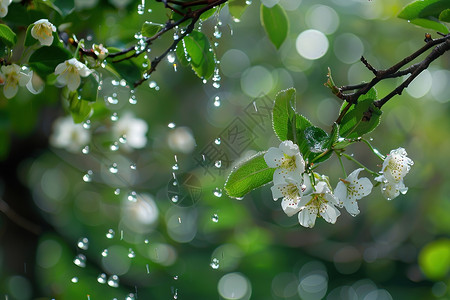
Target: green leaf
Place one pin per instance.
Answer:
(237, 8)
(80, 109)
(425, 23)
(434, 259)
(284, 114)
(200, 53)
(445, 15)
(89, 88)
(44, 60)
(65, 6)
(425, 13)
(7, 36)
(275, 23)
(249, 175)
(355, 123)
(129, 69)
(149, 29)
(181, 54)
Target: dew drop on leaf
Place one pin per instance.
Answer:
(74, 279)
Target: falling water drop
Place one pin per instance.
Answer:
(88, 176)
(101, 278)
(113, 281)
(83, 243)
(113, 168)
(214, 263)
(80, 260)
(110, 234)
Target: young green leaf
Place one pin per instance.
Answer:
(283, 114)
(149, 29)
(237, 8)
(249, 175)
(202, 58)
(444, 16)
(355, 123)
(7, 36)
(425, 13)
(80, 109)
(129, 69)
(44, 60)
(275, 23)
(89, 89)
(181, 54)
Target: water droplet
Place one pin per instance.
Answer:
(112, 100)
(110, 234)
(123, 82)
(175, 167)
(113, 281)
(214, 263)
(83, 243)
(123, 139)
(217, 141)
(88, 176)
(133, 167)
(215, 218)
(115, 82)
(218, 164)
(132, 196)
(130, 297)
(179, 220)
(87, 124)
(175, 277)
(132, 99)
(217, 101)
(174, 198)
(140, 9)
(131, 253)
(114, 117)
(113, 168)
(101, 278)
(146, 241)
(114, 146)
(171, 58)
(171, 125)
(152, 84)
(85, 150)
(175, 295)
(217, 32)
(74, 279)
(117, 192)
(248, 2)
(80, 260)
(105, 252)
(370, 139)
(216, 85)
(147, 268)
(218, 192)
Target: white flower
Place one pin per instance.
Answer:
(389, 189)
(351, 189)
(4, 7)
(68, 135)
(43, 31)
(141, 215)
(396, 165)
(287, 159)
(69, 73)
(320, 203)
(181, 140)
(11, 76)
(132, 130)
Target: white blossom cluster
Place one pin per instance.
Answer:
(311, 195)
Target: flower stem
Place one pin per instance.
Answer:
(375, 151)
(342, 165)
(360, 164)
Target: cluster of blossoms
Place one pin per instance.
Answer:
(68, 72)
(311, 195)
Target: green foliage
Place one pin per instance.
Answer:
(44, 60)
(284, 116)
(7, 37)
(237, 8)
(249, 175)
(434, 259)
(78, 107)
(124, 66)
(149, 29)
(427, 13)
(445, 15)
(199, 53)
(275, 23)
(355, 122)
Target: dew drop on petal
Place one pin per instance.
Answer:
(113, 281)
(80, 260)
(83, 243)
(110, 234)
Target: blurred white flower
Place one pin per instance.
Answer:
(141, 214)
(351, 189)
(43, 31)
(390, 189)
(11, 76)
(181, 140)
(68, 135)
(287, 159)
(69, 73)
(320, 203)
(396, 165)
(4, 7)
(132, 130)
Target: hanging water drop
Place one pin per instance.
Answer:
(123, 139)
(140, 9)
(105, 252)
(171, 58)
(112, 100)
(87, 124)
(217, 32)
(174, 198)
(131, 253)
(217, 101)
(218, 192)
(110, 234)
(83, 243)
(215, 218)
(114, 117)
(133, 167)
(123, 82)
(113, 281)
(132, 196)
(214, 263)
(101, 278)
(80, 260)
(74, 279)
(171, 125)
(132, 99)
(117, 192)
(85, 150)
(217, 141)
(175, 167)
(114, 146)
(113, 168)
(152, 84)
(88, 176)
(218, 164)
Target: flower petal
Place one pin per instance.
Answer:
(290, 207)
(273, 157)
(307, 217)
(329, 213)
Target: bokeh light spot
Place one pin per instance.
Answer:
(312, 44)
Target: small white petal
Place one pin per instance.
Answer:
(273, 157)
(329, 213)
(307, 217)
(290, 207)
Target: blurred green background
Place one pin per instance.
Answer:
(182, 237)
